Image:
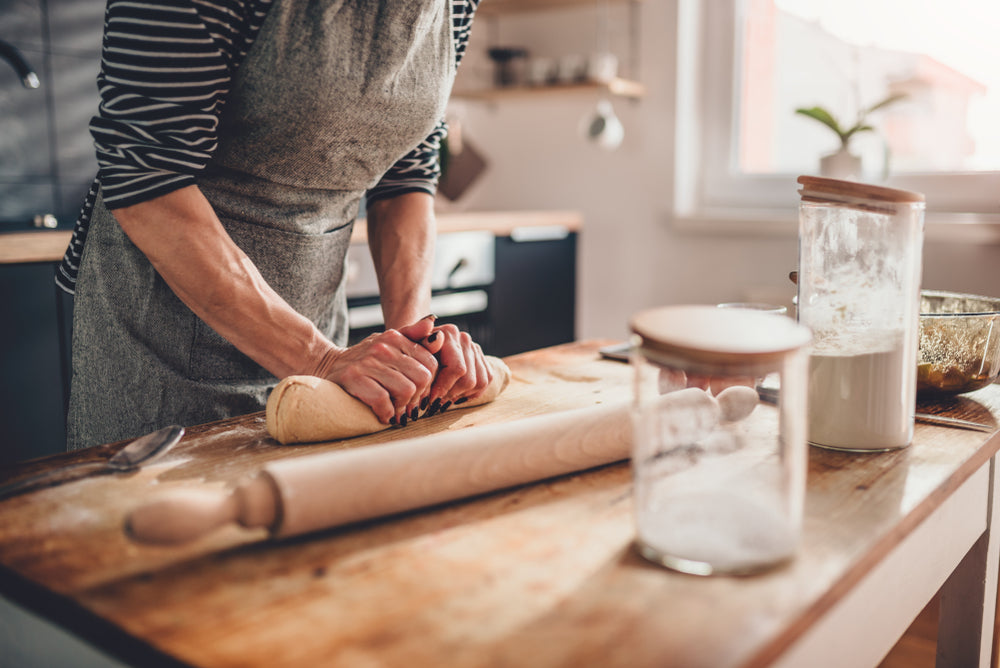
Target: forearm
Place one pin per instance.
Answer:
(401, 234)
(186, 243)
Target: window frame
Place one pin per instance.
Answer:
(708, 191)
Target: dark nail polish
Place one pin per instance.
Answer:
(403, 420)
(436, 405)
(432, 338)
(445, 406)
(392, 420)
(424, 402)
(414, 413)
(461, 401)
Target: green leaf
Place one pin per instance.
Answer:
(823, 116)
(892, 99)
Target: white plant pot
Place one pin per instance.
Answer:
(840, 165)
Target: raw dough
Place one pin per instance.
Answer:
(306, 409)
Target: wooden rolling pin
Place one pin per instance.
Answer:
(304, 494)
(306, 409)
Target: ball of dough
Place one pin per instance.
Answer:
(307, 409)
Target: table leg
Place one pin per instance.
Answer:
(969, 596)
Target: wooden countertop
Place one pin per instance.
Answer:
(50, 245)
(40, 246)
(543, 574)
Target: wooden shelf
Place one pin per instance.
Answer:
(498, 7)
(616, 87)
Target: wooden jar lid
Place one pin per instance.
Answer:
(851, 193)
(712, 335)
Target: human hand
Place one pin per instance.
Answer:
(389, 371)
(675, 379)
(462, 374)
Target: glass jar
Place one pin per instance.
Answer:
(719, 450)
(860, 250)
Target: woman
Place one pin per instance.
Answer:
(235, 141)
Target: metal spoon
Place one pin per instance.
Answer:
(140, 451)
(953, 422)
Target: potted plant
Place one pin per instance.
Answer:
(842, 163)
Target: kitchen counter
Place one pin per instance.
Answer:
(542, 575)
(50, 245)
(40, 246)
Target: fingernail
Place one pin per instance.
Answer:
(392, 420)
(436, 405)
(429, 315)
(444, 406)
(461, 401)
(432, 338)
(402, 420)
(424, 402)
(414, 413)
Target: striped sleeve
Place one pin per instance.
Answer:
(420, 169)
(166, 66)
(166, 69)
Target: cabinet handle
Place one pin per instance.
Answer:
(539, 233)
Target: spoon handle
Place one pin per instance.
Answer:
(954, 422)
(49, 478)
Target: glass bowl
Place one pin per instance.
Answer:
(959, 343)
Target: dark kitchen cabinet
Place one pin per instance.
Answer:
(32, 357)
(533, 301)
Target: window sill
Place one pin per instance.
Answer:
(971, 228)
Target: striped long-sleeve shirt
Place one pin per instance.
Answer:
(166, 68)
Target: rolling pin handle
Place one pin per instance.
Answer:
(259, 502)
(187, 515)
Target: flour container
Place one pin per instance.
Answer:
(860, 249)
(718, 447)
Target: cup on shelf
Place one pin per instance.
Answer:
(508, 62)
(601, 67)
(541, 71)
(572, 68)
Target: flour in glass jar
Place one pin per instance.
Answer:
(863, 400)
(735, 531)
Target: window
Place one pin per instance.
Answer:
(747, 65)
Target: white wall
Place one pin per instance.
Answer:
(631, 255)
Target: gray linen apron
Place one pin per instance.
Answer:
(331, 94)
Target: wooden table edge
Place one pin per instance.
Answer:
(878, 552)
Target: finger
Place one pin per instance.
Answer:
(451, 364)
(670, 380)
(484, 375)
(375, 397)
(434, 342)
(700, 381)
(465, 386)
(406, 347)
(419, 330)
(411, 384)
